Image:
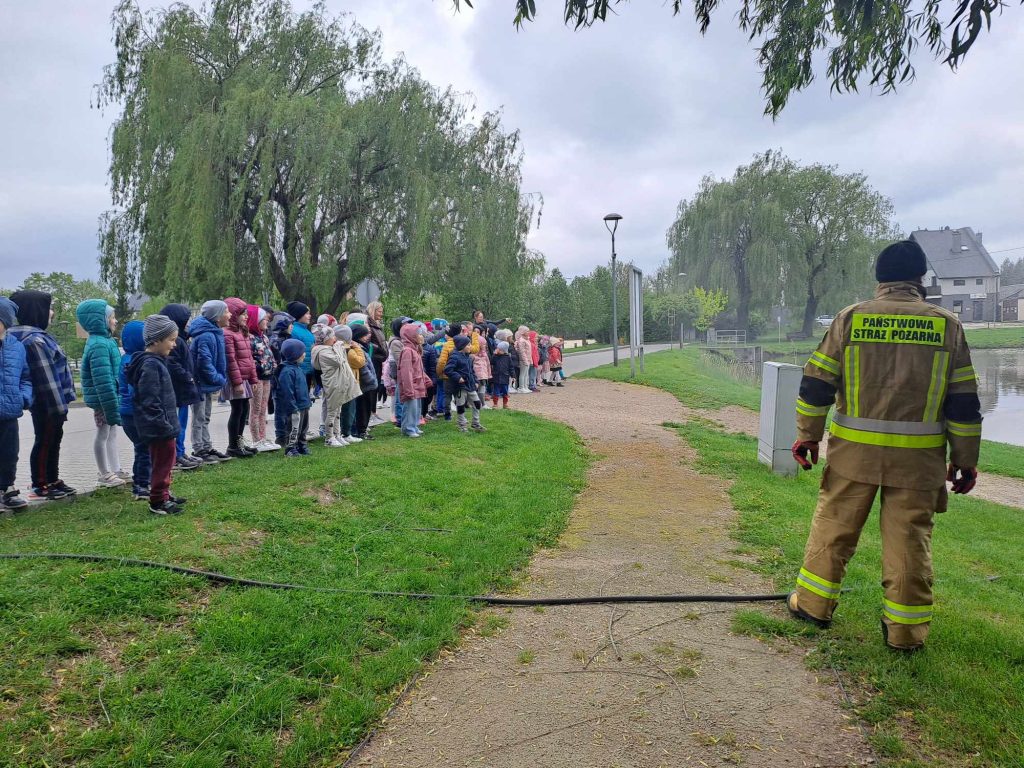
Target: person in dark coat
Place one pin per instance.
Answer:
(461, 383)
(501, 374)
(132, 341)
(292, 395)
(52, 390)
(15, 397)
(430, 366)
(156, 410)
(186, 393)
(368, 382)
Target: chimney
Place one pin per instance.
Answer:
(979, 237)
(956, 241)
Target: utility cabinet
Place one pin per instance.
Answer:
(780, 385)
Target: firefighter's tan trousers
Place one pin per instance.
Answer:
(906, 525)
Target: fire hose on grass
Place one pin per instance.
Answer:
(222, 578)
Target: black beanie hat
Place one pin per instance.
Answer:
(901, 261)
(297, 309)
(359, 331)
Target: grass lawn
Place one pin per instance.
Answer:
(958, 703)
(695, 381)
(996, 338)
(104, 665)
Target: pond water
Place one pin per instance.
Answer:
(1000, 388)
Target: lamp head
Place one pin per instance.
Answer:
(611, 221)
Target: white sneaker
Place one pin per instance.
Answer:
(124, 474)
(266, 445)
(109, 481)
(375, 420)
(353, 439)
(332, 443)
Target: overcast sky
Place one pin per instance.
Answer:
(624, 117)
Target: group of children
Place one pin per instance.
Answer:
(257, 360)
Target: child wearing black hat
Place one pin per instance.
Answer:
(462, 384)
(52, 390)
(291, 395)
(156, 410)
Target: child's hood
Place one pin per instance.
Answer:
(255, 315)
(410, 334)
(235, 309)
(280, 323)
(201, 325)
(92, 316)
(180, 314)
(33, 308)
(131, 337)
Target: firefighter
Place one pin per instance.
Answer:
(899, 373)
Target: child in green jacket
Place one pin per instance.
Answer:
(101, 363)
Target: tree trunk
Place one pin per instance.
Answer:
(810, 312)
(746, 293)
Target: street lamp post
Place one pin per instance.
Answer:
(611, 222)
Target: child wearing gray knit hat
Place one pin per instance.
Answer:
(157, 328)
(213, 309)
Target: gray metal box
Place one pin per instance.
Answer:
(780, 385)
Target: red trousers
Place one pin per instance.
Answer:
(162, 455)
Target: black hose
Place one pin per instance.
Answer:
(483, 599)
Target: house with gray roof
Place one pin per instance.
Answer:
(961, 277)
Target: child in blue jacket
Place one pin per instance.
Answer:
(291, 395)
(132, 341)
(52, 390)
(210, 367)
(462, 385)
(15, 397)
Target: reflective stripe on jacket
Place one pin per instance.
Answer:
(899, 373)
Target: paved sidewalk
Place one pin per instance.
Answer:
(78, 467)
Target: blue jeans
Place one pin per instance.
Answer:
(142, 466)
(533, 376)
(439, 398)
(398, 405)
(411, 417)
(183, 420)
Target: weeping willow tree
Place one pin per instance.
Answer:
(261, 149)
(733, 235)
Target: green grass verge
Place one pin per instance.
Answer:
(697, 382)
(1002, 459)
(961, 701)
(104, 665)
(996, 338)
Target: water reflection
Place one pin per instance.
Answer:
(1001, 390)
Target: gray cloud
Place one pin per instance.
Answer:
(626, 117)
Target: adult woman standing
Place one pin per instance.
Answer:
(379, 354)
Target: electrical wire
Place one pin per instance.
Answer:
(222, 578)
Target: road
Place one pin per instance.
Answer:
(78, 467)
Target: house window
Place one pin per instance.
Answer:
(958, 307)
(959, 282)
(979, 281)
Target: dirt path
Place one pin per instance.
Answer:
(630, 686)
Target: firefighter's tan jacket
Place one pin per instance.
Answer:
(899, 372)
